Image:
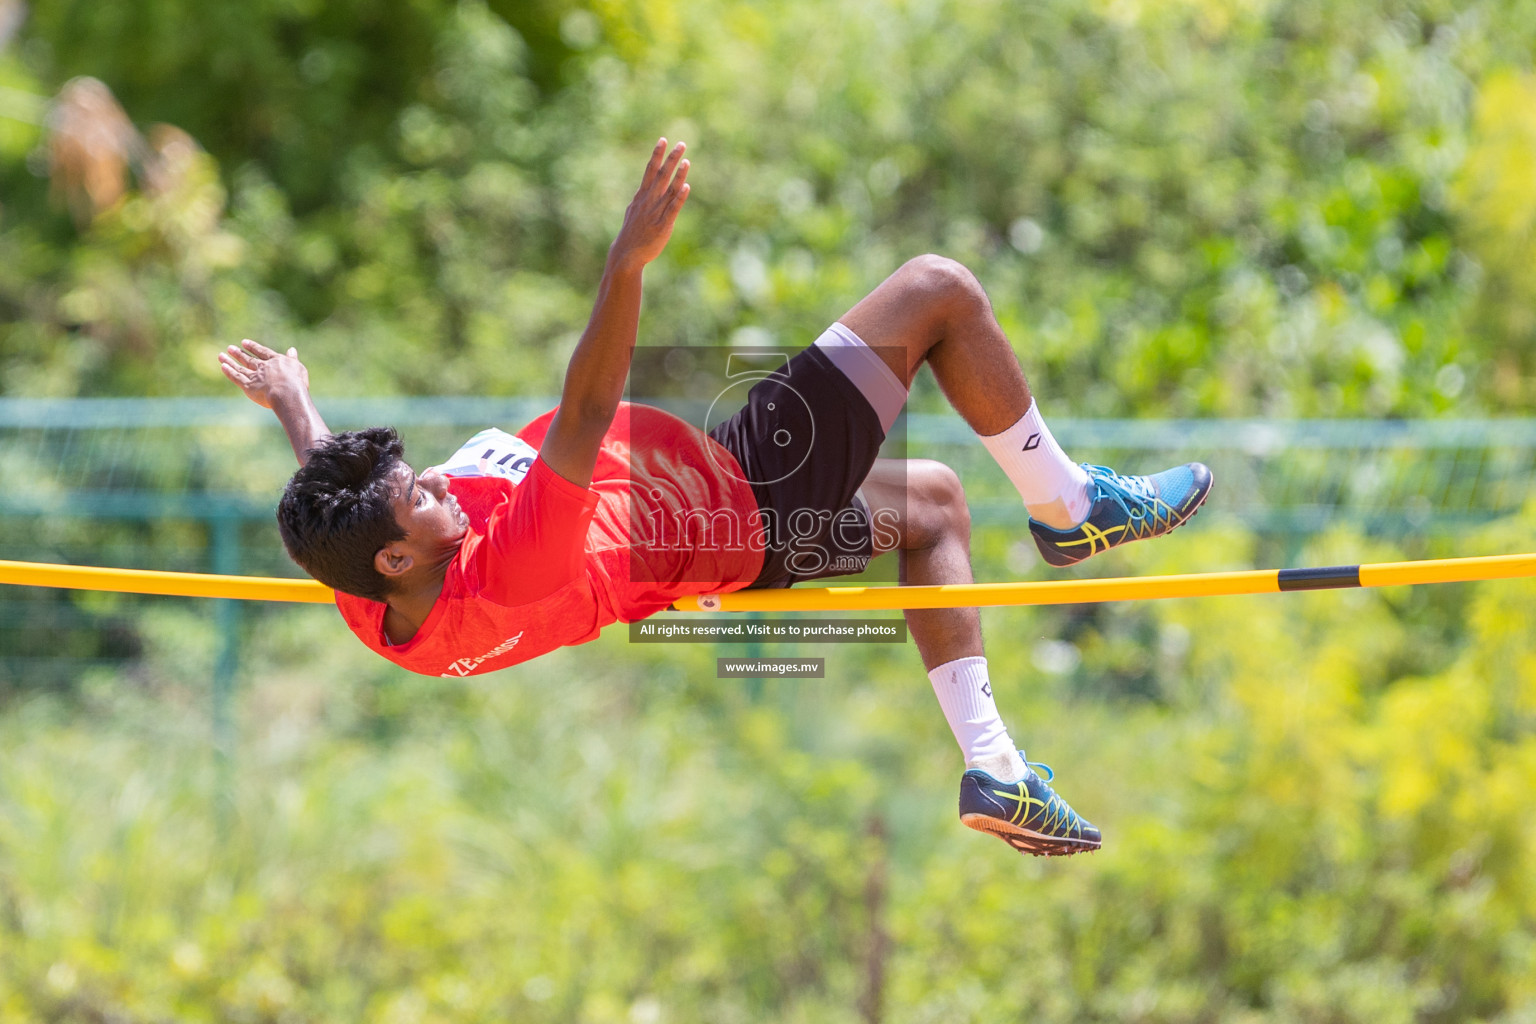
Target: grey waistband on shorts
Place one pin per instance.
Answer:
(868, 372)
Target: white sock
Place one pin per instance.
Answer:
(965, 694)
(1054, 488)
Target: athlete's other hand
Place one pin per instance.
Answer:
(651, 214)
(264, 375)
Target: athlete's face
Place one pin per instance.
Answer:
(429, 515)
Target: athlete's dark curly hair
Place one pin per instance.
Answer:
(336, 512)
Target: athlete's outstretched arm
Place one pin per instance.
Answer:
(594, 381)
(279, 382)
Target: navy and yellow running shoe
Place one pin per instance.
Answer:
(1027, 815)
(1126, 508)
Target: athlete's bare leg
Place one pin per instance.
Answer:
(925, 503)
(933, 310)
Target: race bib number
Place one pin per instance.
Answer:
(492, 452)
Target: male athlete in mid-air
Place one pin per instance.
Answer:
(603, 511)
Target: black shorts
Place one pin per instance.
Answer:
(806, 439)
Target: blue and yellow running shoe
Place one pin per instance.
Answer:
(1126, 508)
(1027, 815)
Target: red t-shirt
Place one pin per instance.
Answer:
(546, 563)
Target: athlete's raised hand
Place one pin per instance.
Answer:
(277, 381)
(263, 374)
(651, 214)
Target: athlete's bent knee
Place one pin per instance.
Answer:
(940, 488)
(942, 277)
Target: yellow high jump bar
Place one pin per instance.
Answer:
(1136, 588)
(177, 584)
(960, 595)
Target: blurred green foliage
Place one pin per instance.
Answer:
(1317, 807)
(1297, 831)
(1194, 208)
